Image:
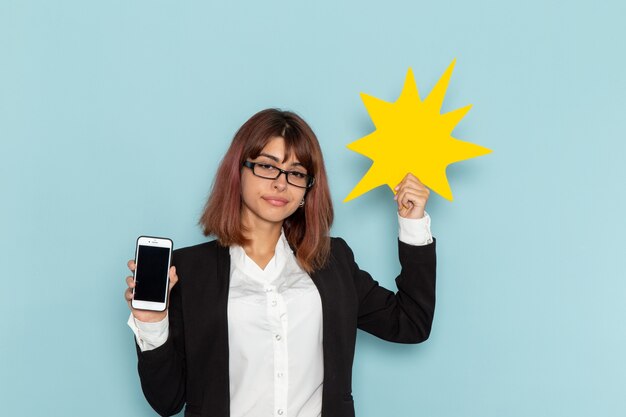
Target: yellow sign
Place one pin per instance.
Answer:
(412, 136)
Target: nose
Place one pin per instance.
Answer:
(280, 183)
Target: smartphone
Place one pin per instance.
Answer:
(153, 258)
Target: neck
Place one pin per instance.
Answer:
(261, 242)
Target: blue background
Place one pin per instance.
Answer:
(114, 115)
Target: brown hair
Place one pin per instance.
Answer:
(307, 230)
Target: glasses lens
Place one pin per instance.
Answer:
(265, 171)
(298, 179)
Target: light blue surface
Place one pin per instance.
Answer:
(97, 96)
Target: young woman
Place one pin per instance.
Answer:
(262, 321)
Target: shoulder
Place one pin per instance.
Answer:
(200, 248)
(197, 255)
(337, 243)
(339, 249)
(201, 267)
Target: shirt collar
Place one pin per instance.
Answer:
(273, 270)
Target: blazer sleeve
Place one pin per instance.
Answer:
(407, 315)
(162, 371)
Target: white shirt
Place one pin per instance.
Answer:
(276, 363)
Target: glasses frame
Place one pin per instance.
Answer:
(310, 178)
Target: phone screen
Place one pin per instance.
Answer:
(151, 273)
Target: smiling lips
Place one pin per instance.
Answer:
(275, 201)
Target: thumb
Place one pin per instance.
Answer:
(173, 277)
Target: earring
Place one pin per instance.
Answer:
(302, 203)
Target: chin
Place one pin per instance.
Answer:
(280, 217)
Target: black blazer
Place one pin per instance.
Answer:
(192, 366)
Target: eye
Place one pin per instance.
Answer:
(267, 167)
(297, 174)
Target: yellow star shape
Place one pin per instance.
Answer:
(412, 136)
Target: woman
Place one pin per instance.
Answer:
(263, 320)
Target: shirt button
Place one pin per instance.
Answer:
(274, 303)
(268, 290)
(278, 337)
(280, 374)
(280, 411)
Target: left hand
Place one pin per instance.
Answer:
(411, 196)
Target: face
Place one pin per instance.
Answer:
(267, 201)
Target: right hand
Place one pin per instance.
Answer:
(146, 316)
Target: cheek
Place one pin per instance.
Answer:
(248, 186)
(247, 193)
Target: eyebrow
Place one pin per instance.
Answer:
(277, 160)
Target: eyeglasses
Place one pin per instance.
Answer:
(270, 172)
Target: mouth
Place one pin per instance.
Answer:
(276, 201)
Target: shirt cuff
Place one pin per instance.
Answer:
(149, 336)
(415, 232)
